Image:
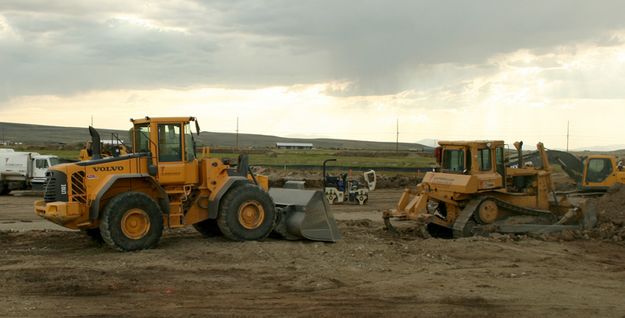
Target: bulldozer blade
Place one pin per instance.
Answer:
(304, 214)
(389, 227)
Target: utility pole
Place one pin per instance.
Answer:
(91, 120)
(237, 140)
(397, 139)
(567, 135)
(3, 140)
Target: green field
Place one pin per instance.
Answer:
(316, 157)
(310, 157)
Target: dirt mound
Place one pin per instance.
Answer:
(314, 179)
(611, 207)
(397, 181)
(610, 215)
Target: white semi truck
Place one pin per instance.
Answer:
(23, 170)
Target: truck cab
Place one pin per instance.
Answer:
(23, 170)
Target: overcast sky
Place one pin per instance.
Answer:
(513, 70)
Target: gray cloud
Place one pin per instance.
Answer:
(65, 47)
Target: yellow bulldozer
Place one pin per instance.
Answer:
(474, 192)
(129, 199)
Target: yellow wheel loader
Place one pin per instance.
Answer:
(475, 192)
(128, 200)
(593, 173)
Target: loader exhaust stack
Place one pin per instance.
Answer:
(304, 214)
(95, 144)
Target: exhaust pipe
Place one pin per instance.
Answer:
(519, 148)
(95, 144)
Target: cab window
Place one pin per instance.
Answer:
(598, 169)
(41, 163)
(142, 138)
(189, 145)
(499, 155)
(169, 143)
(484, 159)
(499, 161)
(453, 160)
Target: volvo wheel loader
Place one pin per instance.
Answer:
(474, 192)
(128, 200)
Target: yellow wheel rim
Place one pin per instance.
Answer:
(488, 212)
(251, 215)
(135, 224)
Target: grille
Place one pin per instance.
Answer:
(79, 192)
(55, 188)
(49, 188)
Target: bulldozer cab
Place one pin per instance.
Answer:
(484, 159)
(171, 146)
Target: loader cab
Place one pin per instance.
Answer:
(599, 172)
(171, 145)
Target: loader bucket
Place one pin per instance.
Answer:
(304, 214)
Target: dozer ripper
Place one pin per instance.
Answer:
(474, 192)
(128, 200)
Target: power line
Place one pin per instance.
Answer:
(567, 134)
(237, 138)
(397, 139)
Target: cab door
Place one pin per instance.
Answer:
(177, 160)
(40, 167)
(171, 167)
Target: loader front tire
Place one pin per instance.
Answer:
(208, 228)
(94, 235)
(131, 221)
(4, 188)
(246, 213)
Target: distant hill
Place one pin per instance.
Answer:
(609, 148)
(429, 142)
(40, 134)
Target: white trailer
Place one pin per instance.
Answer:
(23, 170)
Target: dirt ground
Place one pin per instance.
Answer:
(46, 271)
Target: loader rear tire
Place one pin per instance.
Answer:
(247, 213)
(131, 221)
(208, 228)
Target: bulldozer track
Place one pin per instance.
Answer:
(459, 228)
